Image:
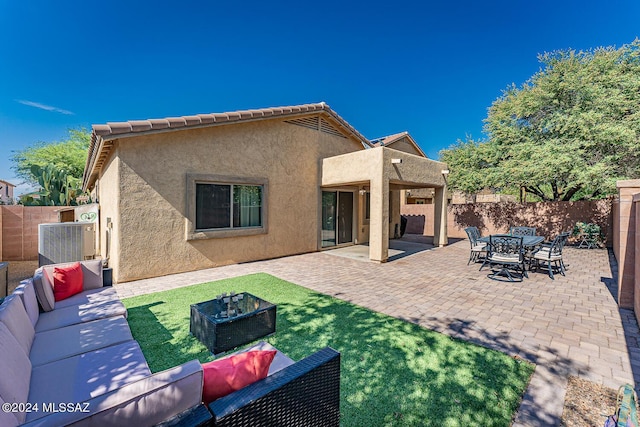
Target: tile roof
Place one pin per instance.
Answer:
(390, 139)
(102, 134)
(385, 140)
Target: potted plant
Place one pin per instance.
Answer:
(590, 234)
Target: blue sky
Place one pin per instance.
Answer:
(430, 68)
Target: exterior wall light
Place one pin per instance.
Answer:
(445, 172)
(396, 161)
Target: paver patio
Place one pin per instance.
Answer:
(571, 325)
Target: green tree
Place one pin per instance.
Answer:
(569, 133)
(69, 155)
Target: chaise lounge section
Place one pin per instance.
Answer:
(79, 353)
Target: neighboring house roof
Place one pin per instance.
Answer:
(99, 146)
(2, 181)
(388, 140)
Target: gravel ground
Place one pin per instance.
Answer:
(20, 270)
(586, 404)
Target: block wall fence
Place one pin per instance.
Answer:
(19, 230)
(550, 218)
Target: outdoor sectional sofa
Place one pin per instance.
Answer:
(75, 362)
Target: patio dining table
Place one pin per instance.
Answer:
(527, 241)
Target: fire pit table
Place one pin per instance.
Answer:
(229, 321)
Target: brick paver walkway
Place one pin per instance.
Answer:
(567, 326)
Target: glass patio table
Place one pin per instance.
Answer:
(227, 322)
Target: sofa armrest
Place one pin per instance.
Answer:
(306, 393)
(148, 401)
(198, 416)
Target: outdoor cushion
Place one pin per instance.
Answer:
(15, 370)
(224, 376)
(44, 290)
(543, 254)
(505, 258)
(60, 343)
(144, 402)
(80, 378)
(91, 297)
(480, 247)
(27, 294)
(91, 272)
(72, 315)
(280, 361)
(67, 281)
(15, 318)
(7, 419)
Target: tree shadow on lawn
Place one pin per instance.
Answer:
(398, 373)
(392, 372)
(163, 341)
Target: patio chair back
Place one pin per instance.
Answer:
(477, 247)
(558, 244)
(551, 254)
(506, 248)
(474, 234)
(507, 252)
(522, 231)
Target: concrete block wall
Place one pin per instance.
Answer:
(19, 230)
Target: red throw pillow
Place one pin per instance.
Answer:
(67, 281)
(224, 376)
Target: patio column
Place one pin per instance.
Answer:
(440, 237)
(379, 219)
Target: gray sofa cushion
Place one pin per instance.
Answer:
(44, 290)
(7, 419)
(15, 318)
(27, 293)
(73, 315)
(56, 344)
(91, 273)
(90, 297)
(141, 403)
(83, 377)
(15, 370)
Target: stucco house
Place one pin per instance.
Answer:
(186, 193)
(6, 192)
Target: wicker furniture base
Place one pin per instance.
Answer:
(306, 393)
(254, 318)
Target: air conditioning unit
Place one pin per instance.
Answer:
(65, 242)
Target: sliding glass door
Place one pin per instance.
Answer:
(337, 218)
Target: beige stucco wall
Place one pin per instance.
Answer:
(376, 168)
(149, 236)
(109, 199)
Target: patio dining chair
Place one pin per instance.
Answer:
(507, 254)
(478, 249)
(551, 254)
(522, 231)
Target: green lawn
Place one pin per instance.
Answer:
(392, 372)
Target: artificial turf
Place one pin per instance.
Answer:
(392, 372)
